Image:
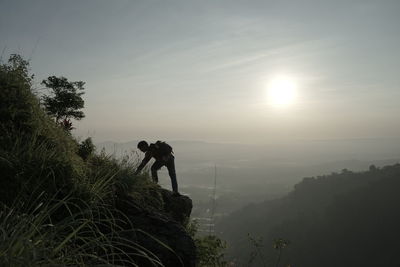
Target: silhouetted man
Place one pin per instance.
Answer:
(162, 153)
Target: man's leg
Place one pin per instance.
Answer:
(172, 174)
(154, 168)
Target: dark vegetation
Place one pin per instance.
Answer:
(66, 100)
(342, 219)
(64, 204)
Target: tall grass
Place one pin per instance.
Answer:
(78, 224)
(29, 235)
(49, 218)
(57, 208)
(123, 180)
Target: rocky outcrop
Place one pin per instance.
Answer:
(178, 207)
(162, 232)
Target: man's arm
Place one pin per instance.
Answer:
(146, 159)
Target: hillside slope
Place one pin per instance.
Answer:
(60, 209)
(346, 219)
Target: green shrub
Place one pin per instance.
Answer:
(210, 248)
(87, 237)
(34, 151)
(57, 196)
(86, 148)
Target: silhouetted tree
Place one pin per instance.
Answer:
(372, 168)
(18, 70)
(66, 101)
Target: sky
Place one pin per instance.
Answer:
(202, 70)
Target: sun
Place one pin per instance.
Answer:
(281, 91)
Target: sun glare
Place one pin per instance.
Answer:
(281, 92)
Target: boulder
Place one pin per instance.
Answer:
(162, 232)
(178, 207)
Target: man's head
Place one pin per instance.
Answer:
(143, 146)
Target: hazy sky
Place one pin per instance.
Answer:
(199, 70)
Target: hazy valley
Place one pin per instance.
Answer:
(253, 173)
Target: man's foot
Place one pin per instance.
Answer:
(176, 194)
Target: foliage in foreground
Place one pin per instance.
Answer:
(210, 248)
(57, 197)
(76, 230)
(258, 254)
(87, 236)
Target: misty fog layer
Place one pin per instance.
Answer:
(283, 117)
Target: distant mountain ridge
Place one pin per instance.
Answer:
(265, 164)
(342, 219)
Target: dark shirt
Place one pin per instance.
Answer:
(152, 153)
